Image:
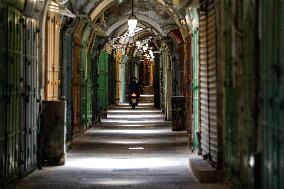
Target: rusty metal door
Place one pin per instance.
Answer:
(76, 78)
(208, 82)
(117, 75)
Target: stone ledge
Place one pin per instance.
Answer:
(203, 171)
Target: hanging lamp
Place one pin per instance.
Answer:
(132, 22)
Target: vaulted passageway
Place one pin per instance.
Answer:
(212, 72)
(128, 149)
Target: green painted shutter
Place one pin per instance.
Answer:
(103, 80)
(195, 90)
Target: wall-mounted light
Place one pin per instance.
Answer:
(251, 161)
(145, 47)
(132, 22)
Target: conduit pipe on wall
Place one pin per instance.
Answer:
(31, 8)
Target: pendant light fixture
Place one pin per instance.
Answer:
(132, 22)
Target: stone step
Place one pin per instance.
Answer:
(203, 171)
(145, 125)
(132, 112)
(136, 117)
(148, 89)
(136, 134)
(141, 106)
(146, 98)
(125, 121)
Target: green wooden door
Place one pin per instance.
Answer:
(103, 81)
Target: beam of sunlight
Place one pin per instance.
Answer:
(136, 116)
(146, 95)
(131, 131)
(133, 110)
(140, 104)
(114, 163)
(118, 182)
(136, 148)
(127, 121)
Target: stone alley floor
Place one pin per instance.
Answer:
(129, 149)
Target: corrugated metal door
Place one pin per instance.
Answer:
(103, 80)
(3, 90)
(208, 83)
(29, 129)
(52, 56)
(67, 78)
(272, 93)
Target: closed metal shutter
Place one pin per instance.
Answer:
(272, 94)
(29, 129)
(67, 78)
(208, 81)
(18, 88)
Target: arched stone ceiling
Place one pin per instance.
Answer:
(159, 11)
(149, 12)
